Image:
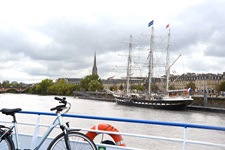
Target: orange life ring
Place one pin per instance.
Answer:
(106, 127)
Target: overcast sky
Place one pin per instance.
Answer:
(55, 39)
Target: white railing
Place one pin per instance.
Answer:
(183, 140)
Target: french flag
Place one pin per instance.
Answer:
(150, 23)
(167, 26)
(189, 90)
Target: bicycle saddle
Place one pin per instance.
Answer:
(11, 112)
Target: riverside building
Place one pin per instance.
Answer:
(203, 82)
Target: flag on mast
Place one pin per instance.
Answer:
(167, 26)
(150, 23)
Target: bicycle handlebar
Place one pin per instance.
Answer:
(60, 107)
(61, 100)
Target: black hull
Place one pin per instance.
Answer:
(156, 104)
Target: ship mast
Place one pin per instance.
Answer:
(167, 62)
(129, 65)
(168, 65)
(150, 67)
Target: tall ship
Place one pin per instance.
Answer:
(168, 99)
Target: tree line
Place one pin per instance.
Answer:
(88, 83)
(60, 87)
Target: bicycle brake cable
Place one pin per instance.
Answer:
(68, 108)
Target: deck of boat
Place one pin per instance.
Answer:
(29, 138)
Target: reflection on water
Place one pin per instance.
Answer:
(110, 109)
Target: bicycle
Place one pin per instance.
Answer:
(69, 139)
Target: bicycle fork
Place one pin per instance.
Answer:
(66, 137)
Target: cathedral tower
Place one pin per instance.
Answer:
(94, 69)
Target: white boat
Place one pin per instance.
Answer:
(170, 99)
(182, 141)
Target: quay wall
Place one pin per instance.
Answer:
(212, 101)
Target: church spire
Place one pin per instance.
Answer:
(94, 69)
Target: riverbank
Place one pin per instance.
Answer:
(209, 101)
(208, 109)
(96, 98)
(197, 105)
(209, 104)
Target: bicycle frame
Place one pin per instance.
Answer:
(57, 121)
(10, 129)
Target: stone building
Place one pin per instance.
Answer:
(207, 82)
(107, 83)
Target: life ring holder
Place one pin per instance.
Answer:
(106, 127)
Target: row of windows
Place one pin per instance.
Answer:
(198, 78)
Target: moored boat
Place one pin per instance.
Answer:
(167, 104)
(170, 99)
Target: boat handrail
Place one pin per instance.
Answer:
(185, 125)
(184, 140)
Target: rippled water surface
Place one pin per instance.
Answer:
(110, 109)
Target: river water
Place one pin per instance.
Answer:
(111, 109)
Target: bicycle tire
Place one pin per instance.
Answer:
(78, 141)
(6, 143)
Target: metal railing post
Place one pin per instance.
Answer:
(185, 138)
(36, 132)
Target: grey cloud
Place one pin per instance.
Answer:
(200, 23)
(73, 41)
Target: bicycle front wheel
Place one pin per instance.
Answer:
(77, 141)
(6, 143)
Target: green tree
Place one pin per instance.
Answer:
(71, 88)
(6, 83)
(191, 85)
(15, 84)
(91, 83)
(61, 87)
(121, 87)
(217, 88)
(32, 90)
(153, 87)
(222, 86)
(58, 88)
(137, 87)
(172, 87)
(94, 85)
(111, 88)
(42, 88)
